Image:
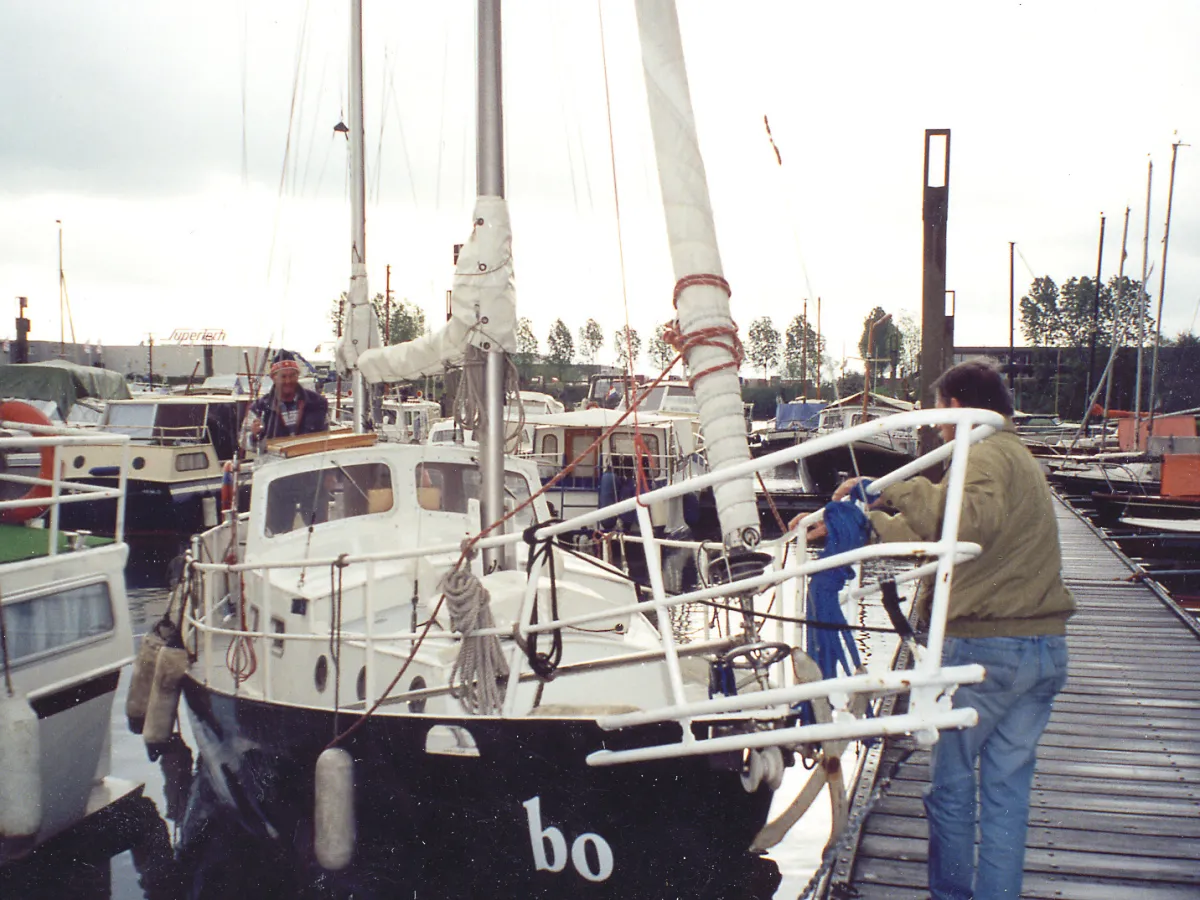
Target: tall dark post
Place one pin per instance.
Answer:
(948, 333)
(208, 361)
(20, 352)
(935, 213)
(1091, 372)
(1012, 318)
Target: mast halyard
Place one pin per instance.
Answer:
(358, 295)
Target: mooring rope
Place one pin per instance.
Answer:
(476, 680)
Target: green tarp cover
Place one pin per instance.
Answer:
(61, 383)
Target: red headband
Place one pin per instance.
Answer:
(283, 364)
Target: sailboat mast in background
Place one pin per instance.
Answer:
(64, 302)
(1162, 287)
(1141, 313)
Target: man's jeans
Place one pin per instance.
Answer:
(1023, 675)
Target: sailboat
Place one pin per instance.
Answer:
(404, 680)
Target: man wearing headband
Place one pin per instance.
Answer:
(288, 409)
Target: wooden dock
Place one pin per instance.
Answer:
(1116, 797)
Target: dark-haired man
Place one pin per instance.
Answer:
(1008, 612)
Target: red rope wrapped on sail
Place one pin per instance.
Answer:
(724, 337)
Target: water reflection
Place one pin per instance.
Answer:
(79, 863)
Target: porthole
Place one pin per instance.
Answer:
(360, 685)
(417, 706)
(139, 462)
(321, 674)
(78, 462)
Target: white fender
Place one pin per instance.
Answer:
(334, 828)
(143, 679)
(20, 769)
(169, 669)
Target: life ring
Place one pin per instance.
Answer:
(25, 414)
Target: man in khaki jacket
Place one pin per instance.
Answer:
(1008, 612)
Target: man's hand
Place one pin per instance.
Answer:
(256, 427)
(815, 531)
(360, 334)
(844, 489)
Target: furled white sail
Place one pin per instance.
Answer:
(483, 306)
(693, 242)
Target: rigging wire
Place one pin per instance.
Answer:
(395, 102)
(245, 67)
(437, 197)
(287, 147)
(383, 98)
(562, 102)
(1025, 262)
(312, 134)
(612, 155)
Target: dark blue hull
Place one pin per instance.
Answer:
(433, 825)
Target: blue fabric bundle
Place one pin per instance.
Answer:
(830, 648)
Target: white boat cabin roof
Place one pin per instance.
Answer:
(397, 494)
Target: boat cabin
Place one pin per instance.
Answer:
(397, 495)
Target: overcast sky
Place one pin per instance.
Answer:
(125, 120)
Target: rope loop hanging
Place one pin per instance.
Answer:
(543, 665)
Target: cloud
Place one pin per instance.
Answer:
(126, 121)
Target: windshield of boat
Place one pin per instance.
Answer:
(671, 398)
(448, 487)
(327, 495)
(133, 419)
(165, 423)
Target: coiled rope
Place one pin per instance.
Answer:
(477, 679)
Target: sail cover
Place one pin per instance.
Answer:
(483, 306)
(693, 241)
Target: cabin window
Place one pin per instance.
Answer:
(327, 495)
(57, 620)
(652, 451)
(622, 450)
(191, 462)
(550, 448)
(133, 419)
(448, 487)
(179, 423)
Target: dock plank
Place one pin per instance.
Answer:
(1115, 806)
